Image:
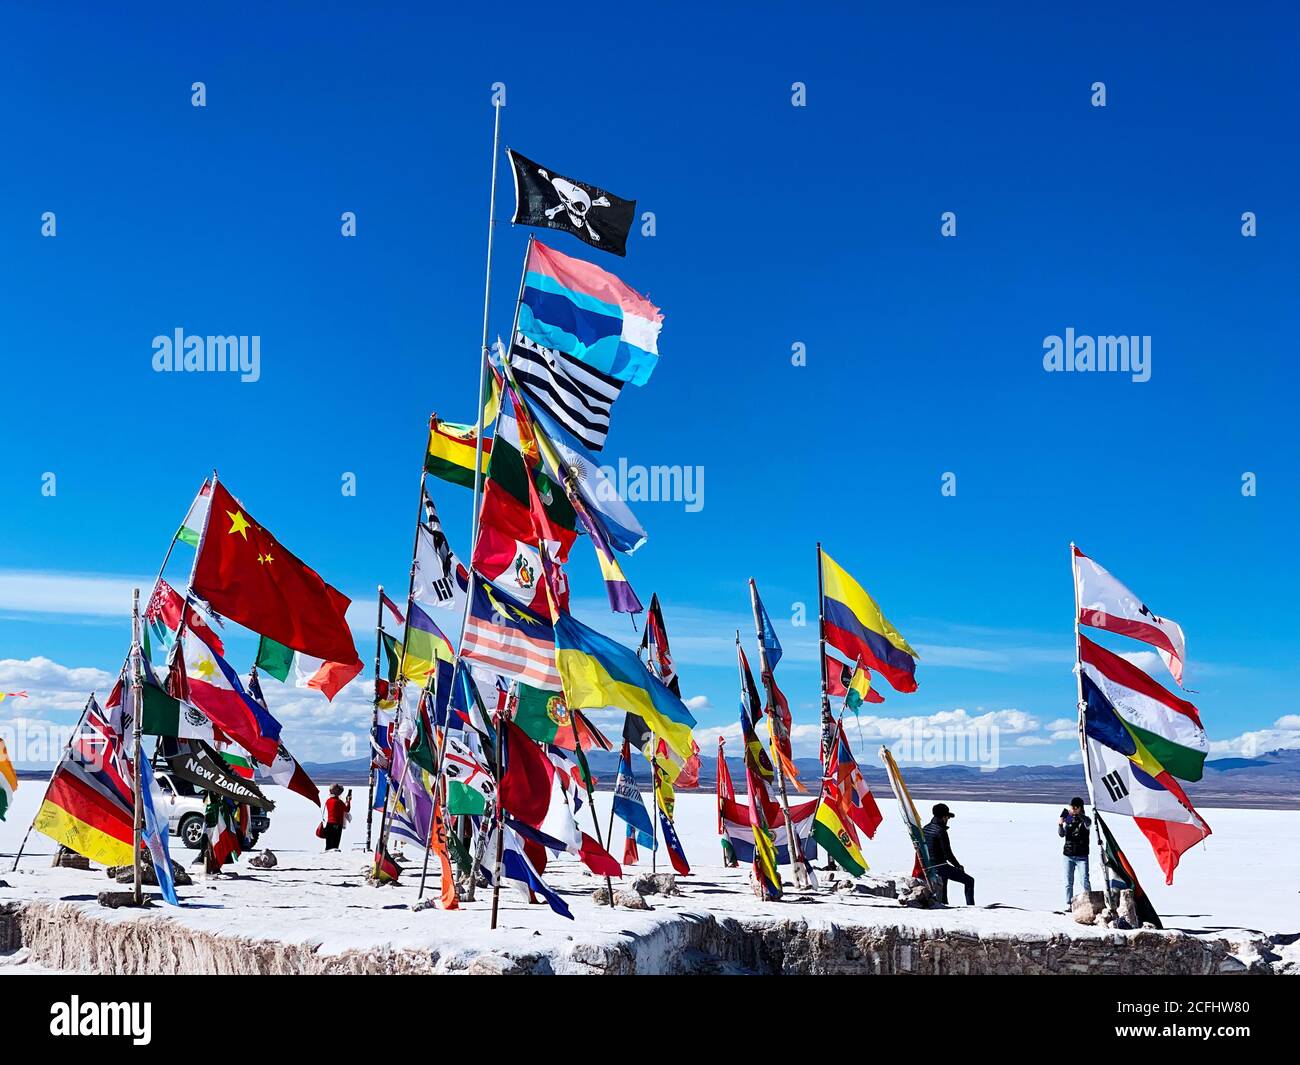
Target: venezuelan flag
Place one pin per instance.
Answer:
(856, 627)
(600, 672)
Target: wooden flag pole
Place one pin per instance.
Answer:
(137, 894)
(63, 754)
(801, 878)
(654, 802)
(91, 698)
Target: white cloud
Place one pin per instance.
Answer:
(698, 702)
(55, 592)
(1285, 734)
(1033, 741)
(50, 687)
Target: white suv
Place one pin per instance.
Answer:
(185, 807)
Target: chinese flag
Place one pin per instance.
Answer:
(247, 576)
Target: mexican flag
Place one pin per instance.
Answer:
(161, 715)
(329, 678)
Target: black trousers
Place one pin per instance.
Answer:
(941, 874)
(333, 833)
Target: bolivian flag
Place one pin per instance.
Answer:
(834, 833)
(451, 452)
(599, 672)
(859, 690)
(856, 627)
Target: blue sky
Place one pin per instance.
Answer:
(776, 225)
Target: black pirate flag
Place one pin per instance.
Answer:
(547, 199)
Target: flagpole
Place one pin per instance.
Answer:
(801, 877)
(826, 716)
(500, 833)
(374, 713)
(137, 893)
(591, 795)
(1083, 741)
(58, 762)
(483, 352)
(821, 644)
(91, 698)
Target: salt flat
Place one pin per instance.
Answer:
(1245, 877)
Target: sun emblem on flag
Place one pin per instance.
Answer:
(557, 711)
(205, 668)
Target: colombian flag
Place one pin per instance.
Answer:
(600, 672)
(856, 627)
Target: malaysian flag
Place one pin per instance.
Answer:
(576, 395)
(509, 640)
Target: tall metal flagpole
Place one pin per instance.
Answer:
(397, 717)
(801, 877)
(136, 695)
(827, 717)
(1083, 741)
(483, 352)
(374, 711)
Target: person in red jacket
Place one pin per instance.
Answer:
(338, 812)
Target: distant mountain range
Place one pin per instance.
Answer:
(1271, 781)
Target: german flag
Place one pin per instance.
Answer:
(87, 817)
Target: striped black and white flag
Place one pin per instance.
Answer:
(576, 395)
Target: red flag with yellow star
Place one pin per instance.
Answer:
(247, 576)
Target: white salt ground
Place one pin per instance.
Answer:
(1243, 877)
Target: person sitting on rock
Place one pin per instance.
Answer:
(338, 812)
(1073, 827)
(943, 863)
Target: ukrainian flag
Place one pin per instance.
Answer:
(600, 672)
(855, 626)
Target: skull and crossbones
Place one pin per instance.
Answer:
(575, 201)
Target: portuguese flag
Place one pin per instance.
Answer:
(833, 833)
(544, 716)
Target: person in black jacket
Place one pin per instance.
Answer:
(1073, 827)
(943, 863)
